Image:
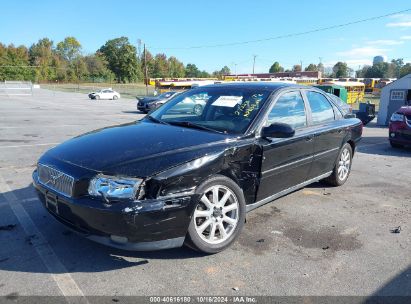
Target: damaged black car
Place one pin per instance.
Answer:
(182, 176)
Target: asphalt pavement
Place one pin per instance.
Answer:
(317, 241)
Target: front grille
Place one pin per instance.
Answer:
(55, 180)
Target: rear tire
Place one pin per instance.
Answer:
(395, 145)
(218, 217)
(342, 167)
(115, 97)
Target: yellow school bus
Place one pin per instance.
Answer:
(355, 90)
(325, 80)
(181, 85)
(306, 81)
(370, 84)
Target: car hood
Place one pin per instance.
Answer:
(137, 149)
(149, 99)
(405, 110)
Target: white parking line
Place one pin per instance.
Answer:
(65, 282)
(33, 145)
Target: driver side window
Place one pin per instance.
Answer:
(289, 109)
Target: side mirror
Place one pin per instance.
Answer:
(278, 130)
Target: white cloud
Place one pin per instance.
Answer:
(361, 52)
(405, 37)
(385, 42)
(399, 24)
(401, 20)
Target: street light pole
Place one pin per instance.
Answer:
(254, 62)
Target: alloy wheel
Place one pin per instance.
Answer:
(217, 214)
(344, 164)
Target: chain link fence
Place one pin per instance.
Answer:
(131, 90)
(16, 88)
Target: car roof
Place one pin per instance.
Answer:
(269, 86)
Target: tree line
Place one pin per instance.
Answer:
(394, 69)
(117, 60)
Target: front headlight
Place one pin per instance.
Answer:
(110, 187)
(397, 117)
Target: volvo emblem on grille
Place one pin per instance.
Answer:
(53, 178)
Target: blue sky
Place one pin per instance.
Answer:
(166, 26)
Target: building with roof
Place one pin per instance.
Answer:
(393, 96)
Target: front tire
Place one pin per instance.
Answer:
(115, 97)
(342, 167)
(218, 217)
(97, 97)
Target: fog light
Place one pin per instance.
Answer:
(119, 239)
(392, 134)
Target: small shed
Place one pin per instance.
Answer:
(393, 96)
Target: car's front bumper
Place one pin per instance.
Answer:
(400, 135)
(139, 225)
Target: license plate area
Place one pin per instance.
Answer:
(52, 203)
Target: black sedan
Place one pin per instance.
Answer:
(146, 104)
(189, 178)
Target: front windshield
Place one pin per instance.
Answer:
(226, 110)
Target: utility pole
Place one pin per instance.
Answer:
(321, 65)
(254, 62)
(301, 64)
(235, 69)
(145, 68)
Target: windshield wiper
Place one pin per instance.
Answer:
(157, 120)
(189, 124)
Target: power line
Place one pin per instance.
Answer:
(286, 35)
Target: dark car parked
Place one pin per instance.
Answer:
(146, 104)
(189, 178)
(400, 128)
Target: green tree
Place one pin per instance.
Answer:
(276, 68)
(97, 68)
(41, 55)
(362, 72)
(219, 74)
(204, 74)
(341, 70)
(122, 59)
(225, 70)
(378, 70)
(191, 70)
(15, 63)
(175, 67)
(297, 68)
(311, 68)
(69, 49)
(160, 68)
(397, 65)
(405, 70)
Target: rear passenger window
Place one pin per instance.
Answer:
(289, 109)
(321, 109)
